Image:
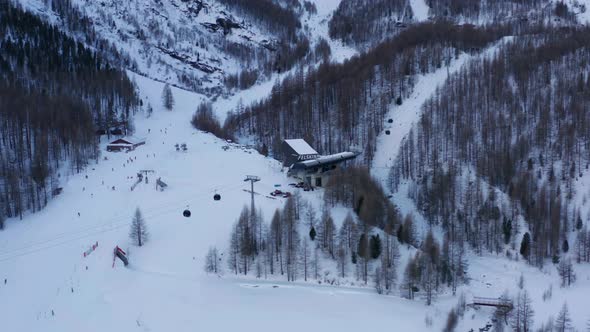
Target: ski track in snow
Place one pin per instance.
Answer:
(406, 115)
(420, 10)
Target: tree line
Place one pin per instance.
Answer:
(495, 11)
(55, 93)
(365, 23)
(300, 242)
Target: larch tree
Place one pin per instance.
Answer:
(363, 253)
(316, 264)
(167, 97)
(138, 233)
(452, 320)
(563, 322)
(212, 261)
(566, 272)
(305, 257)
(523, 313)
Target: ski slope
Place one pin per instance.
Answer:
(52, 287)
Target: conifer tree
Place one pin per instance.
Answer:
(376, 246)
(525, 245)
(167, 97)
(138, 232)
(312, 233)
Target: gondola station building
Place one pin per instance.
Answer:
(307, 165)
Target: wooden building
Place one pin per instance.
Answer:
(125, 144)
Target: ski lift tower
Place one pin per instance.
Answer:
(252, 179)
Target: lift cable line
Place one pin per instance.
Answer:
(120, 216)
(108, 226)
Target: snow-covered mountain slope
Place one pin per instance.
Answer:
(317, 25)
(51, 243)
(51, 286)
(187, 43)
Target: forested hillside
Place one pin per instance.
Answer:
(339, 106)
(367, 22)
(495, 11)
(54, 94)
(519, 121)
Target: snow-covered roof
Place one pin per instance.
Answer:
(325, 160)
(123, 145)
(128, 139)
(300, 146)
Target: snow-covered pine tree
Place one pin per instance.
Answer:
(167, 97)
(138, 233)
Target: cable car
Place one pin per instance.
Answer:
(186, 213)
(217, 197)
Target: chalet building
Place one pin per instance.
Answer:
(295, 150)
(128, 143)
(307, 165)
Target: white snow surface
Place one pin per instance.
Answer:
(581, 8)
(420, 10)
(300, 146)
